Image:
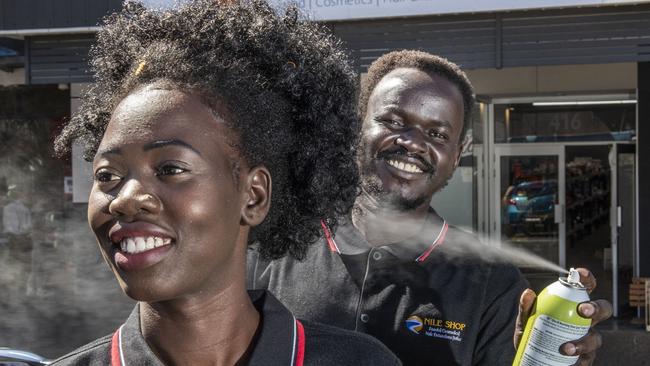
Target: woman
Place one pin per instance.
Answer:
(211, 127)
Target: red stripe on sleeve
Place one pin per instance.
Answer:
(300, 355)
(115, 349)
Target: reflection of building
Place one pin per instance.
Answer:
(564, 94)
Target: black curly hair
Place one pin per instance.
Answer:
(431, 64)
(286, 81)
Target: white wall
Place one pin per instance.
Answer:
(17, 77)
(81, 169)
(454, 202)
(554, 79)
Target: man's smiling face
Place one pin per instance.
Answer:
(410, 138)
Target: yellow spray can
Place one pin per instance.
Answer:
(554, 321)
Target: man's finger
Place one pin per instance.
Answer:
(586, 359)
(526, 302)
(587, 344)
(597, 310)
(587, 279)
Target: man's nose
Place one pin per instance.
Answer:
(412, 140)
(134, 199)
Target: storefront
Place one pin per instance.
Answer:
(563, 185)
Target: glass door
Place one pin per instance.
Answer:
(590, 220)
(624, 256)
(529, 205)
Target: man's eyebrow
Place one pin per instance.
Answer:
(173, 142)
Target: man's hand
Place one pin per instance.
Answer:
(597, 310)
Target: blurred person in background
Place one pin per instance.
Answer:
(17, 227)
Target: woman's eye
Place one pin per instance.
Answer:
(105, 176)
(393, 123)
(170, 170)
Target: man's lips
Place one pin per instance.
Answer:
(410, 163)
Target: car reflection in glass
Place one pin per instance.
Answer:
(529, 208)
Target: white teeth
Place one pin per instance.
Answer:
(150, 243)
(140, 244)
(130, 245)
(407, 167)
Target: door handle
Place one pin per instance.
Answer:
(559, 214)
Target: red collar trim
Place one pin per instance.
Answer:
(300, 344)
(117, 356)
(421, 258)
(328, 236)
(439, 240)
(116, 348)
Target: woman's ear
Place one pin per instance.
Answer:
(257, 197)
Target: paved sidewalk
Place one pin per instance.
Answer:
(623, 344)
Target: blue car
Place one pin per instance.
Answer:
(529, 208)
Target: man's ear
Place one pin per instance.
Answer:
(464, 144)
(257, 197)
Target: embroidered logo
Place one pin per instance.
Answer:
(436, 327)
(414, 324)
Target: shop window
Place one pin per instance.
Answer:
(530, 123)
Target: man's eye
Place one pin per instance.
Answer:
(170, 170)
(438, 135)
(105, 176)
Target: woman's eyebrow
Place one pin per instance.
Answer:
(172, 142)
(109, 151)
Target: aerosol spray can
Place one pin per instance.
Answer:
(554, 321)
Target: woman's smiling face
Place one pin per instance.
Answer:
(166, 201)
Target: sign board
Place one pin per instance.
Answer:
(361, 9)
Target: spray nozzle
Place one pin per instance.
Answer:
(573, 277)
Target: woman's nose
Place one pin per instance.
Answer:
(134, 199)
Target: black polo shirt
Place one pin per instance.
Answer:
(427, 300)
(282, 340)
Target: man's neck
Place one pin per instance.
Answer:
(381, 225)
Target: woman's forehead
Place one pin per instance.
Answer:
(151, 114)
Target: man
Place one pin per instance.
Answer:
(394, 269)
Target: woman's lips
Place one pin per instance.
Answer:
(133, 257)
(138, 245)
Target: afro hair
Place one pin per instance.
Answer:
(289, 86)
(423, 61)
